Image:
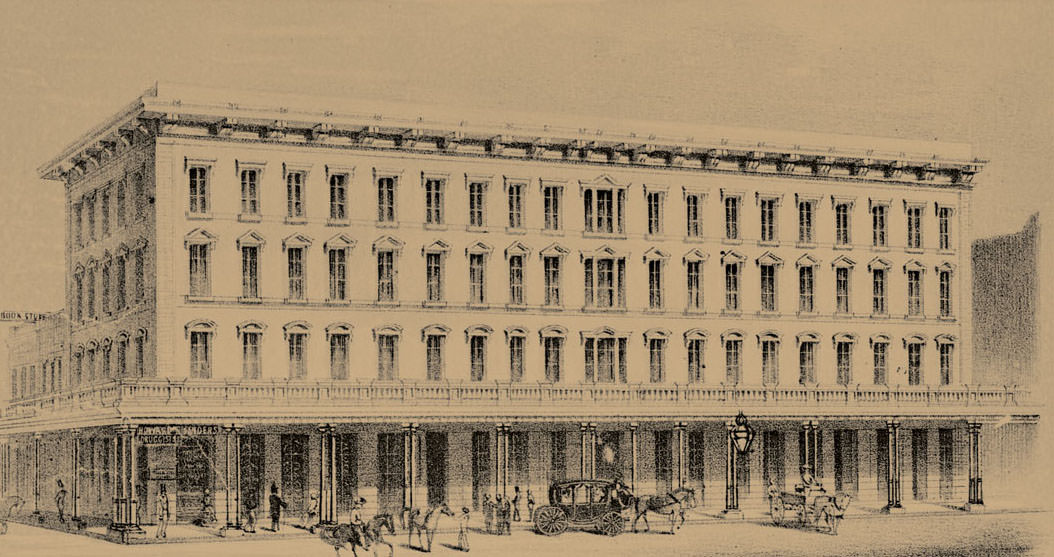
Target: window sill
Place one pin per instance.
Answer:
(191, 298)
(915, 317)
(434, 226)
(515, 230)
(478, 305)
(193, 216)
(880, 248)
(594, 309)
(694, 239)
(386, 224)
(386, 303)
(805, 245)
(478, 229)
(807, 314)
(608, 235)
(296, 220)
(654, 311)
(946, 251)
(946, 318)
(764, 313)
(516, 307)
(883, 316)
(843, 246)
(334, 302)
(553, 232)
(552, 308)
(248, 218)
(338, 222)
(691, 311)
(433, 304)
(914, 250)
(732, 241)
(295, 301)
(769, 243)
(731, 313)
(250, 300)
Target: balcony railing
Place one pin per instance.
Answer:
(129, 394)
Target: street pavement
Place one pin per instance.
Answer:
(1022, 533)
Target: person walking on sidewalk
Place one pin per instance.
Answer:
(277, 504)
(488, 514)
(506, 517)
(530, 505)
(60, 501)
(250, 515)
(162, 513)
(462, 532)
(516, 503)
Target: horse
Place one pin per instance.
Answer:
(12, 503)
(689, 496)
(343, 535)
(832, 512)
(426, 522)
(672, 504)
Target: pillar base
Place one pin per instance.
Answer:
(974, 507)
(125, 532)
(892, 509)
(732, 514)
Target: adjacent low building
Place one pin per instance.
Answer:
(416, 306)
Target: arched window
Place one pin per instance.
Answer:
(387, 339)
(655, 341)
(516, 339)
(200, 334)
(605, 355)
(695, 344)
(553, 338)
(434, 338)
(807, 346)
(339, 337)
(733, 343)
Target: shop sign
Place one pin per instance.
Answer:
(158, 439)
(179, 430)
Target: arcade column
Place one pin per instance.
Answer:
(633, 443)
(125, 523)
(680, 443)
(410, 448)
(501, 460)
(893, 470)
(327, 480)
(975, 499)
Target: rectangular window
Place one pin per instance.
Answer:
(476, 290)
(294, 193)
(434, 357)
(946, 351)
(434, 276)
(89, 285)
(606, 360)
(104, 300)
(251, 355)
(915, 227)
(552, 198)
(121, 200)
(140, 276)
(841, 280)
(250, 272)
(516, 279)
(89, 209)
(844, 352)
(296, 273)
(914, 292)
(387, 357)
(693, 215)
(250, 193)
(944, 223)
(770, 371)
(806, 217)
(768, 288)
(805, 289)
(732, 286)
(140, 356)
(199, 270)
(552, 280)
(477, 195)
(915, 363)
(769, 218)
(433, 201)
(477, 346)
(338, 197)
(105, 209)
(121, 278)
(878, 304)
(385, 276)
(554, 348)
(878, 225)
(200, 355)
(297, 356)
(338, 274)
(199, 184)
(732, 218)
(604, 210)
(945, 280)
(881, 353)
(655, 206)
(694, 270)
(696, 360)
(733, 365)
(657, 359)
(516, 345)
(338, 356)
(841, 224)
(605, 282)
(807, 363)
(77, 224)
(386, 199)
(515, 194)
(655, 287)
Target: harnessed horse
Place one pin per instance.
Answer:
(672, 504)
(347, 534)
(424, 523)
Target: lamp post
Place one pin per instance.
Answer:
(740, 437)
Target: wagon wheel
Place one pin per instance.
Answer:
(551, 521)
(611, 524)
(777, 510)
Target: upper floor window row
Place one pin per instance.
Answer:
(98, 214)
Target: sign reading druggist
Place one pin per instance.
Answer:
(161, 431)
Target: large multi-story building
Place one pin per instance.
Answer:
(331, 298)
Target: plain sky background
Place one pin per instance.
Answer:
(975, 72)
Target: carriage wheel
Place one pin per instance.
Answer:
(777, 510)
(550, 521)
(611, 524)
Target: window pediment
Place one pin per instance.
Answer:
(438, 246)
(340, 328)
(554, 250)
(802, 338)
(806, 261)
(655, 253)
(250, 238)
(515, 331)
(731, 257)
(387, 330)
(250, 327)
(297, 241)
(880, 338)
(768, 258)
(296, 328)
(694, 334)
(340, 241)
(945, 339)
(603, 180)
(843, 262)
(387, 243)
(694, 255)
(434, 329)
(878, 263)
(603, 251)
(769, 336)
(479, 248)
(914, 265)
(552, 331)
(656, 332)
(199, 325)
(945, 267)
(477, 331)
(731, 334)
(602, 332)
(843, 337)
(914, 339)
(517, 248)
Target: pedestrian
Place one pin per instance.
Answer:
(488, 513)
(358, 524)
(462, 533)
(506, 516)
(207, 515)
(516, 504)
(250, 515)
(499, 522)
(60, 501)
(312, 511)
(162, 513)
(530, 505)
(277, 504)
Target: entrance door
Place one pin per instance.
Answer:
(608, 465)
(435, 463)
(846, 476)
(663, 462)
(294, 472)
(193, 476)
(347, 472)
(773, 458)
(946, 458)
(696, 465)
(251, 449)
(390, 472)
(480, 467)
(919, 464)
(882, 464)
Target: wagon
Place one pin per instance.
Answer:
(813, 507)
(582, 504)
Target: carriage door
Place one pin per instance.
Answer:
(435, 463)
(389, 472)
(946, 461)
(294, 472)
(480, 467)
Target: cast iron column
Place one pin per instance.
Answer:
(633, 456)
(681, 444)
(731, 482)
(75, 478)
(975, 497)
(409, 464)
(36, 473)
(893, 475)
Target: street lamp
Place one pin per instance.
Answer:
(740, 437)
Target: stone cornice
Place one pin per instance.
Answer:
(167, 111)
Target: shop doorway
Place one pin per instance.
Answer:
(390, 472)
(194, 457)
(435, 464)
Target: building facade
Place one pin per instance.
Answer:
(270, 291)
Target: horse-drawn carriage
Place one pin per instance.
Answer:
(812, 505)
(583, 504)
